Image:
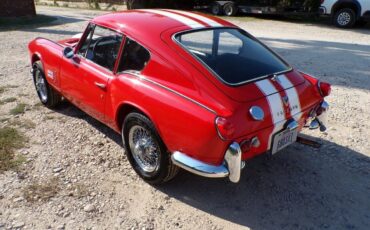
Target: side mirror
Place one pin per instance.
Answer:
(68, 52)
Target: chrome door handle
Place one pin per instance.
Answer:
(101, 85)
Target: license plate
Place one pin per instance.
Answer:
(283, 139)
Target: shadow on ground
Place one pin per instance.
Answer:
(33, 24)
(352, 60)
(298, 188)
(70, 110)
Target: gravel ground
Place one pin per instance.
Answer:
(76, 176)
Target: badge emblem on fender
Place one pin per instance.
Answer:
(50, 74)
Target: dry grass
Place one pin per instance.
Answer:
(10, 139)
(41, 191)
(8, 100)
(26, 123)
(19, 109)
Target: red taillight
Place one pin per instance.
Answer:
(325, 88)
(224, 128)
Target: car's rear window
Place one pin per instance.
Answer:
(232, 54)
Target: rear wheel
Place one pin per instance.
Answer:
(146, 151)
(344, 18)
(47, 95)
(216, 9)
(230, 9)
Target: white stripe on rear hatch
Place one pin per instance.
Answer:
(187, 21)
(199, 17)
(293, 96)
(275, 104)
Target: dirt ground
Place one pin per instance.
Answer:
(75, 175)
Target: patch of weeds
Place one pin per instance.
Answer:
(2, 120)
(19, 109)
(38, 105)
(8, 100)
(2, 89)
(10, 139)
(27, 124)
(12, 86)
(41, 191)
(49, 117)
(23, 95)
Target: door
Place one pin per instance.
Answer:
(86, 76)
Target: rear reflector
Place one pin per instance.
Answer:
(225, 128)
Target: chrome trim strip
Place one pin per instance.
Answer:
(231, 167)
(141, 77)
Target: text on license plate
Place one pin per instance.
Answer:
(283, 139)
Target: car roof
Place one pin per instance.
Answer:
(152, 22)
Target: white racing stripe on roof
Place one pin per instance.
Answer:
(187, 21)
(199, 17)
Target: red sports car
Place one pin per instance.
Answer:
(185, 90)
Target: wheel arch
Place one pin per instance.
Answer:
(36, 57)
(127, 107)
(353, 4)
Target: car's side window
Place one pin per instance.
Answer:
(102, 46)
(134, 57)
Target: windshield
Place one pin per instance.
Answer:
(234, 56)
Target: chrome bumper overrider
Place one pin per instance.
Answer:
(231, 166)
(320, 121)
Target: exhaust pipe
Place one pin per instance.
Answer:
(307, 140)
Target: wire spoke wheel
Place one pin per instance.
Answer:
(145, 150)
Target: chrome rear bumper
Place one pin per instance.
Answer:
(231, 167)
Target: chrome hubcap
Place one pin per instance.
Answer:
(144, 149)
(41, 86)
(344, 18)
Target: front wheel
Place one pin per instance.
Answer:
(47, 95)
(345, 18)
(146, 151)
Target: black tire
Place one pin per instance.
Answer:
(166, 170)
(230, 9)
(216, 9)
(51, 98)
(344, 18)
